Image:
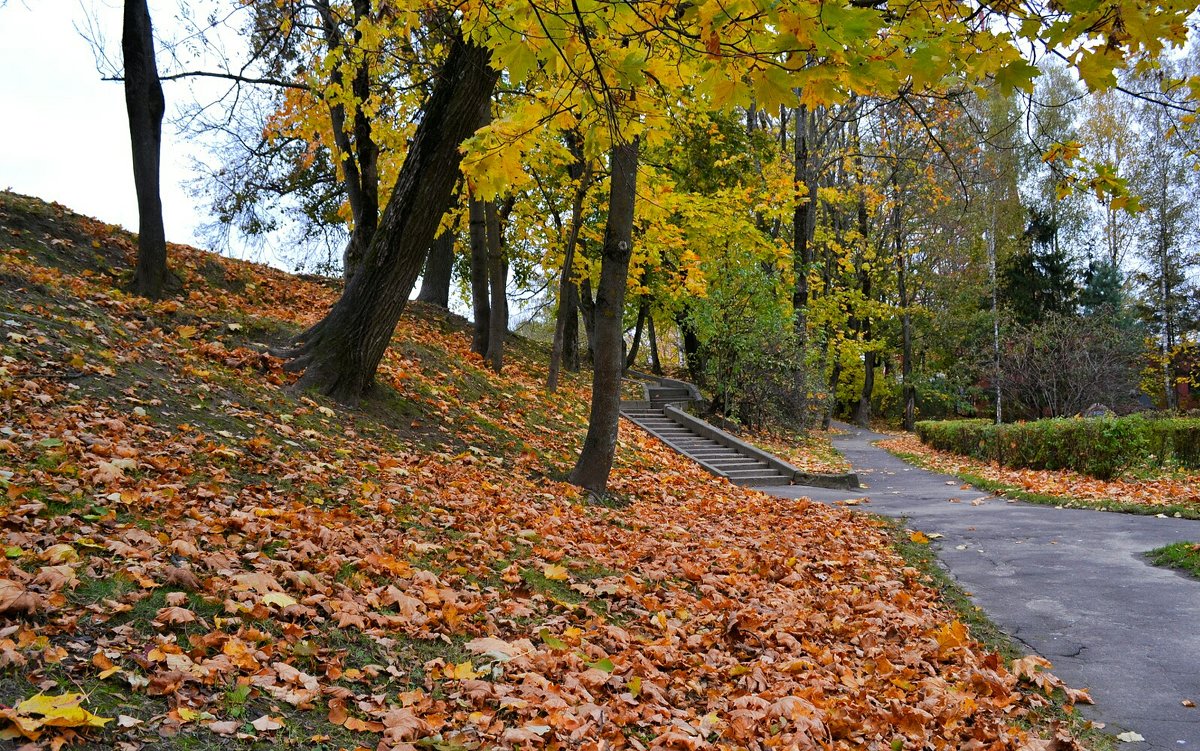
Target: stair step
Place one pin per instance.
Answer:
(777, 480)
(753, 475)
(738, 463)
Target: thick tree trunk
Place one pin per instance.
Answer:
(439, 270)
(145, 104)
(655, 364)
(600, 446)
(480, 302)
(643, 312)
(341, 354)
(498, 284)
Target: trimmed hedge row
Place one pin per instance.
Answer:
(1102, 447)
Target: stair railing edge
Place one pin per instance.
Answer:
(677, 448)
(716, 434)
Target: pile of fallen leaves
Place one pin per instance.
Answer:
(1065, 484)
(190, 548)
(808, 452)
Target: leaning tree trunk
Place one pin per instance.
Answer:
(600, 446)
(145, 104)
(439, 269)
(341, 354)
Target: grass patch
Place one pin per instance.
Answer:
(1182, 556)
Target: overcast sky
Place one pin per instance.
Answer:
(64, 136)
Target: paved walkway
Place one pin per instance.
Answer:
(1069, 584)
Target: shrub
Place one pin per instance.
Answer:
(1176, 439)
(1102, 447)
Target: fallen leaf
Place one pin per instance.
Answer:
(223, 727)
(278, 599)
(266, 723)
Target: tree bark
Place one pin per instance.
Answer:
(655, 364)
(341, 354)
(570, 355)
(587, 307)
(643, 312)
(145, 105)
(567, 307)
(498, 284)
(691, 351)
(359, 159)
(480, 296)
(803, 218)
(600, 446)
(439, 270)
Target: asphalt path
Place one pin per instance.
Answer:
(1071, 585)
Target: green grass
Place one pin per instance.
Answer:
(923, 557)
(1064, 501)
(1183, 556)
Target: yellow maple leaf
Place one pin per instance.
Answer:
(279, 599)
(555, 572)
(44, 710)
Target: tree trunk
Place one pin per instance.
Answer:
(359, 159)
(587, 307)
(341, 354)
(908, 390)
(570, 355)
(600, 446)
(655, 364)
(643, 312)
(803, 219)
(439, 269)
(498, 283)
(567, 307)
(691, 351)
(480, 302)
(145, 105)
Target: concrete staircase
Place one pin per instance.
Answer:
(718, 452)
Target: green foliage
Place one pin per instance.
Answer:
(1102, 447)
(1175, 440)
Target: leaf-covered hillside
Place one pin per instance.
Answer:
(213, 561)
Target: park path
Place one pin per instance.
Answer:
(1071, 585)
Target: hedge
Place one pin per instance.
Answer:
(1102, 447)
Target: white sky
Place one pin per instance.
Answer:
(63, 135)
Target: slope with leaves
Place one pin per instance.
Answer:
(206, 556)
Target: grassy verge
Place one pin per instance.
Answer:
(1058, 500)
(1184, 556)
(923, 557)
